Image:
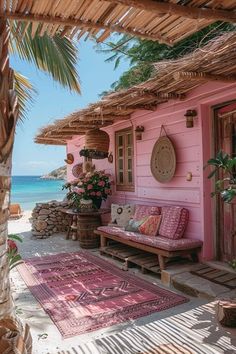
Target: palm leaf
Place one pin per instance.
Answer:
(25, 93)
(55, 55)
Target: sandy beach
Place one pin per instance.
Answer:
(46, 337)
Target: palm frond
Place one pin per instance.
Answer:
(25, 93)
(55, 55)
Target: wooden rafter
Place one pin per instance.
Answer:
(105, 118)
(160, 8)
(158, 95)
(192, 75)
(83, 24)
(92, 122)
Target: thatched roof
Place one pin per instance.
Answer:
(165, 21)
(174, 79)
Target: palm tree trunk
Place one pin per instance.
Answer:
(13, 337)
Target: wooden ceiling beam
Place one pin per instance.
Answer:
(94, 122)
(105, 118)
(161, 8)
(84, 24)
(146, 107)
(51, 141)
(192, 76)
(158, 95)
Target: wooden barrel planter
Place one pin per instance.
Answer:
(86, 226)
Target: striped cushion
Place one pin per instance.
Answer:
(141, 211)
(174, 221)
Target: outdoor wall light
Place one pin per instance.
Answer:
(138, 132)
(190, 114)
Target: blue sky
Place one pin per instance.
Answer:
(53, 102)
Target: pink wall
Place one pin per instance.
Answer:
(193, 148)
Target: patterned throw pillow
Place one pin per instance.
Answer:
(133, 225)
(121, 214)
(151, 225)
(174, 222)
(142, 211)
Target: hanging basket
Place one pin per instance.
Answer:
(96, 144)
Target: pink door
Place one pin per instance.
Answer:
(226, 212)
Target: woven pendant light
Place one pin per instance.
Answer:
(96, 144)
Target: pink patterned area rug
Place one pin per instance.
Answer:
(82, 292)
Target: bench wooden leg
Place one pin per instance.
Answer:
(194, 257)
(103, 240)
(161, 260)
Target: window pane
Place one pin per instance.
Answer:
(121, 164)
(121, 177)
(129, 139)
(120, 141)
(120, 152)
(129, 151)
(130, 177)
(129, 164)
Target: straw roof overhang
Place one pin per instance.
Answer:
(164, 21)
(173, 80)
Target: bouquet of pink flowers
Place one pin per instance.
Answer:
(95, 186)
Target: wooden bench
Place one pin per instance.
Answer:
(162, 247)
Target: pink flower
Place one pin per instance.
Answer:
(79, 190)
(93, 193)
(11, 245)
(98, 194)
(90, 186)
(101, 183)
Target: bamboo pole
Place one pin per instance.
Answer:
(159, 7)
(13, 337)
(191, 75)
(85, 24)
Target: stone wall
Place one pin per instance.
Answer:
(48, 219)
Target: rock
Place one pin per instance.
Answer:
(40, 225)
(42, 217)
(47, 219)
(44, 212)
(59, 173)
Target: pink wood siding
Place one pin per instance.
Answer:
(193, 149)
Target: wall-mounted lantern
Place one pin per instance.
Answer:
(138, 132)
(190, 114)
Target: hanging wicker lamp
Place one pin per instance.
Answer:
(96, 144)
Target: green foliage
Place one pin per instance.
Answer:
(55, 55)
(92, 186)
(14, 258)
(142, 53)
(25, 93)
(225, 166)
(233, 263)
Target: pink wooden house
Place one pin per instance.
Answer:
(201, 82)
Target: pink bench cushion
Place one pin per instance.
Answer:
(141, 211)
(157, 242)
(174, 222)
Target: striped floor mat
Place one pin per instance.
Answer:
(217, 276)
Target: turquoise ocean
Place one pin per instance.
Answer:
(28, 190)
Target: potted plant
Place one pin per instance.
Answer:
(225, 171)
(225, 184)
(89, 190)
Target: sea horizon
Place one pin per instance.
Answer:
(27, 190)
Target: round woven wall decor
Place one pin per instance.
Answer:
(163, 160)
(77, 170)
